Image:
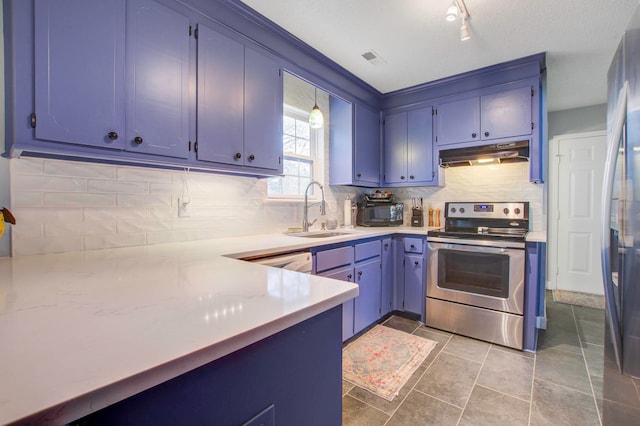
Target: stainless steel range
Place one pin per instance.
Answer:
(475, 278)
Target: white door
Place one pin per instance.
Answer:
(579, 166)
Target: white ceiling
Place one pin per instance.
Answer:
(418, 45)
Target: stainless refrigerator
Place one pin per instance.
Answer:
(621, 235)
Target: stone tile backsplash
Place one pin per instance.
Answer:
(68, 206)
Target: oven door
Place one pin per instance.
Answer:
(477, 275)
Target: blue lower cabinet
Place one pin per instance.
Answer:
(368, 276)
(344, 274)
(535, 284)
(414, 280)
(291, 378)
(386, 299)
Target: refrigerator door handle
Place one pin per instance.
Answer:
(613, 146)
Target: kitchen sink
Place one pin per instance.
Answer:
(318, 234)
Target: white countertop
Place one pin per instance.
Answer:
(80, 331)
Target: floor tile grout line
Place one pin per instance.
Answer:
(413, 388)
(502, 393)
(486, 355)
(564, 386)
(586, 366)
(369, 405)
(438, 399)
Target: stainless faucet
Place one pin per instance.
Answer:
(305, 214)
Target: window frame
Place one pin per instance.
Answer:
(316, 156)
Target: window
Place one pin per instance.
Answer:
(301, 159)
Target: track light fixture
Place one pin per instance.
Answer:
(458, 6)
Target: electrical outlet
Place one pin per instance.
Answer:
(183, 209)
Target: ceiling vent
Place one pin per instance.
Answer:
(373, 58)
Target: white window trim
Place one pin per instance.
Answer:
(317, 146)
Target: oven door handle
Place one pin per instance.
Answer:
(474, 249)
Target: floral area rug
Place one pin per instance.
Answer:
(383, 359)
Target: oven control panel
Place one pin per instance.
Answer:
(498, 210)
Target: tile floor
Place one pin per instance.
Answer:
(470, 382)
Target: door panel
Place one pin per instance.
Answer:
(506, 114)
(220, 98)
(344, 274)
(458, 121)
(80, 45)
(580, 170)
(420, 145)
(367, 146)
(367, 304)
(262, 111)
(414, 283)
(157, 79)
(395, 148)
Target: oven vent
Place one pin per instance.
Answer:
(501, 153)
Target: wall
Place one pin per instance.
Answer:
(504, 182)
(577, 120)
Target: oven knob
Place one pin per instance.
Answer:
(461, 209)
(453, 209)
(506, 210)
(517, 211)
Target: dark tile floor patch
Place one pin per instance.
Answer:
(557, 405)
(402, 324)
(357, 413)
(488, 407)
(470, 382)
(421, 409)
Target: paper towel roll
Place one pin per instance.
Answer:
(347, 212)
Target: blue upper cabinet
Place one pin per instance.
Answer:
(239, 104)
(263, 110)
(408, 148)
(79, 72)
(395, 148)
(458, 121)
(157, 79)
(354, 150)
(220, 98)
(366, 167)
(506, 114)
(502, 114)
(420, 160)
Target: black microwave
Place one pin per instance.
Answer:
(380, 214)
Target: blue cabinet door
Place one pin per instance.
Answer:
(262, 111)
(506, 114)
(157, 79)
(79, 71)
(366, 168)
(458, 121)
(395, 148)
(420, 145)
(344, 274)
(386, 298)
(220, 124)
(367, 305)
(414, 280)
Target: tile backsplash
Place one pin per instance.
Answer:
(68, 206)
(503, 182)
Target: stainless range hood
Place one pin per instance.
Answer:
(499, 153)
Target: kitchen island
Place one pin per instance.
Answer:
(82, 331)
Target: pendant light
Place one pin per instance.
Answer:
(452, 11)
(316, 119)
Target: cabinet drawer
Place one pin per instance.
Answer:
(413, 245)
(367, 250)
(334, 258)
